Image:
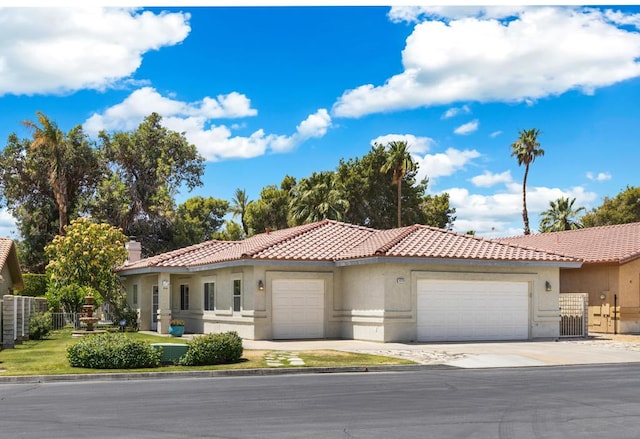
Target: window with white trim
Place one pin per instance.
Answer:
(237, 295)
(209, 296)
(184, 296)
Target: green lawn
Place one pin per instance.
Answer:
(48, 357)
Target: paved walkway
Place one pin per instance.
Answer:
(594, 350)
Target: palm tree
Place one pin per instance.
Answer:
(561, 216)
(316, 198)
(400, 164)
(526, 149)
(50, 139)
(239, 207)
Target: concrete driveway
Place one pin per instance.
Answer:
(598, 349)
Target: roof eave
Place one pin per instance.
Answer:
(226, 264)
(456, 261)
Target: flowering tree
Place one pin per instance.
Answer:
(82, 261)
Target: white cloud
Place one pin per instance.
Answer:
(128, 114)
(413, 14)
(452, 112)
(467, 128)
(60, 50)
(214, 142)
(444, 164)
(500, 214)
(485, 60)
(600, 176)
(622, 18)
(315, 125)
(495, 134)
(417, 145)
(488, 179)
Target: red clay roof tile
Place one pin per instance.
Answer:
(332, 241)
(606, 244)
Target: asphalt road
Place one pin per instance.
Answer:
(540, 402)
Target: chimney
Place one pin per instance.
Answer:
(134, 250)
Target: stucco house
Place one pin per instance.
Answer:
(335, 280)
(610, 273)
(10, 274)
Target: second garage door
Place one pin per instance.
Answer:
(298, 308)
(450, 310)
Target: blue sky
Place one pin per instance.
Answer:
(268, 91)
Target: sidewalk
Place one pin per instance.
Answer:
(597, 349)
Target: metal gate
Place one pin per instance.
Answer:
(574, 315)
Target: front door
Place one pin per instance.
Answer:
(154, 308)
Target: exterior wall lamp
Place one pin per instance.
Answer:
(261, 285)
(547, 285)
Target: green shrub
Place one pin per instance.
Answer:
(112, 351)
(207, 349)
(129, 315)
(35, 285)
(39, 326)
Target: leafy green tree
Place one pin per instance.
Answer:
(27, 192)
(316, 198)
(561, 215)
(526, 149)
(232, 231)
(147, 167)
(239, 208)
(50, 141)
(373, 201)
(624, 208)
(401, 165)
(83, 260)
(198, 219)
(438, 212)
(271, 210)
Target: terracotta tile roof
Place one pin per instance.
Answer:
(430, 242)
(5, 248)
(606, 244)
(329, 241)
(9, 258)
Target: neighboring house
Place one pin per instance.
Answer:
(11, 274)
(335, 280)
(610, 273)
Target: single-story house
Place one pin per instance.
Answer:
(610, 273)
(335, 280)
(11, 273)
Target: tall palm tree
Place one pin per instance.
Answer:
(239, 207)
(561, 216)
(316, 198)
(400, 164)
(51, 141)
(526, 149)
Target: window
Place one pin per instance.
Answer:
(184, 296)
(134, 294)
(237, 295)
(209, 296)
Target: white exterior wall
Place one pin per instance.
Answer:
(6, 284)
(368, 302)
(386, 299)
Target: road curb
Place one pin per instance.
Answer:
(126, 376)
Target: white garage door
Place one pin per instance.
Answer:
(471, 310)
(298, 308)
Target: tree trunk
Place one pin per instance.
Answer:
(399, 202)
(59, 186)
(525, 215)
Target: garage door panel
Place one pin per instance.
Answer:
(470, 310)
(298, 308)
